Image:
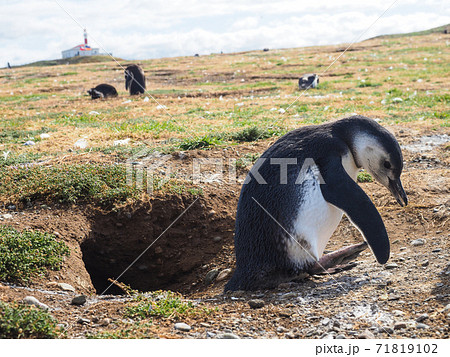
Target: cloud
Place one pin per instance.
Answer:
(140, 30)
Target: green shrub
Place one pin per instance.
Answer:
(102, 185)
(28, 253)
(364, 177)
(22, 321)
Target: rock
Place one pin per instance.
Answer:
(81, 144)
(228, 336)
(210, 276)
(422, 317)
(387, 329)
(223, 274)
(446, 308)
(325, 321)
(7, 216)
(340, 337)
(256, 303)
(422, 326)
(79, 300)
(425, 263)
(66, 287)
(418, 242)
(281, 329)
(29, 143)
(391, 266)
(210, 334)
(31, 300)
(83, 321)
(290, 295)
(400, 325)
(182, 327)
(105, 322)
(217, 239)
(366, 335)
(204, 324)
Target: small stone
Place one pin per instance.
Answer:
(228, 336)
(425, 263)
(256, 303)
(66, 287)
(182, 327)
(446, 308)
(290, 295)
(79, 300)
(217, 239)
(31, 300)
(422, 317)
(391, 266)
(223, 274)
(105, 322)
(366, 335)
(418, 242)
(83, 321)
(281, 329)
(422, 326)
(387, 329)
(204, 324)
(210, 334)
(210, 276)
(325, 321)
(291, 335)
(340, 337)
(400, 325)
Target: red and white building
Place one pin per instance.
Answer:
(81, 50)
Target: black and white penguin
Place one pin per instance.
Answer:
(309, 80)
(135, 79)
(102, 91)
(296, 193)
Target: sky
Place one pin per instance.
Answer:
(33, 30)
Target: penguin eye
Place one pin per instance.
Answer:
(387, 164)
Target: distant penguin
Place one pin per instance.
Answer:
(296, 193)
(135, 79)
(309, 80)
(102, 91)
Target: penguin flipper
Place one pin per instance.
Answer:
(341, 191)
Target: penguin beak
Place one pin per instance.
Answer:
(396, 188)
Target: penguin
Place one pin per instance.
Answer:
(102, 91)
(293, 199)
(134, 79)
(309, 80)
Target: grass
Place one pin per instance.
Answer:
(364, 177)
(22, 321)
(24, 255)
(102, 185)
(162, 304)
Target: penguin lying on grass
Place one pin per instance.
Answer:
(102, 91)
(294, 196)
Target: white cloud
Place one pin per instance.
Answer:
(141, 29)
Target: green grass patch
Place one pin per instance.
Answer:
(102, 185)
(255, 133)
(364, 177)
(140, 329)
(21, 321)
(201, 142)
(26, 254)
(162, 304)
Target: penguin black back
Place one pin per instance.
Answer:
(102, 91)
(135, 79)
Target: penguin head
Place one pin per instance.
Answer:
(378, 152)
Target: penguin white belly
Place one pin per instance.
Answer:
(316, 219)
(315, 223)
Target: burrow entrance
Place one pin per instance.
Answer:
(177, 260)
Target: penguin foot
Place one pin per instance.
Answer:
(337, 261)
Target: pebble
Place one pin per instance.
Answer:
(66, 287)
(418, 242)
(437, 250)
(325, 321)
(446, 308)
(228, 336)
(211, 275)
(422, 317)
(422, 326)
(340, 337)
(391, 266)
(31, 300)
(29, 143)
(400, 325)
(387, 329)
(425, 263)
(366, 335)
(210, 334)
(7, 216)
(83, 321)
(79, 300)
(204, 324)
(281, 329)
(256, 303)
(182, 327)
(223, 274)
(105, 322)
(217, 239)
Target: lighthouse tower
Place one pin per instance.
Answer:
(81, 50)
(85, 38)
